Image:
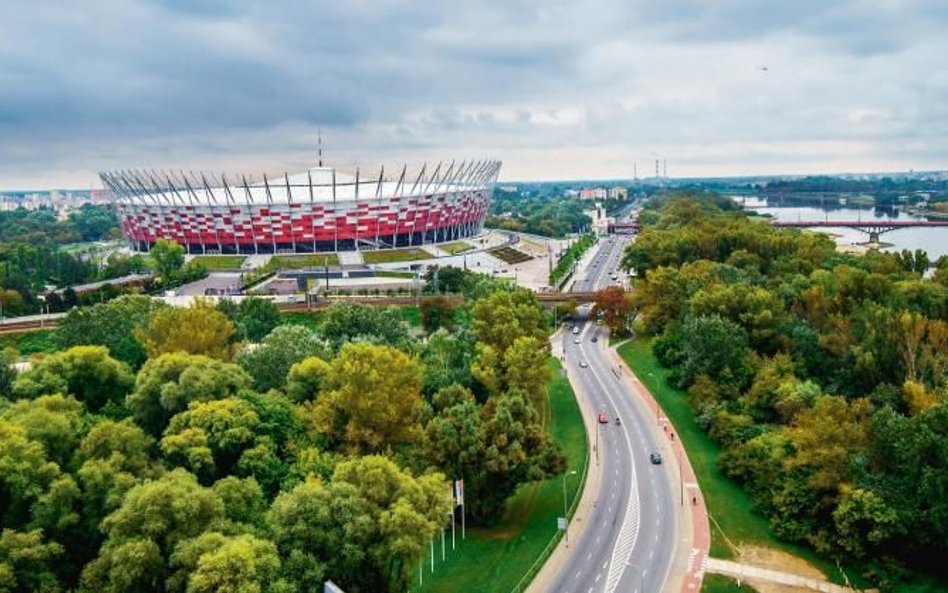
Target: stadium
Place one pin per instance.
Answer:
(319, 210)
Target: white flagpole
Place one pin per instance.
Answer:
(442, 544)
(431, 541)
(453, 511)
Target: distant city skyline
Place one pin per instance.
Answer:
(585, 89)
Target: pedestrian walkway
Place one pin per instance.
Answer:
(747, 572)
(350, 258)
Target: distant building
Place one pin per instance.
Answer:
(618, 193)
(593, 193)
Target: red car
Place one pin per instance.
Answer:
(603, 419)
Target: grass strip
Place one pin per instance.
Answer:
(456, 247)
(220, 262)
(395, 255)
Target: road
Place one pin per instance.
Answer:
(628, 540)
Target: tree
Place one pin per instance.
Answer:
(344, 323)
(242, 564)
(209, 437)
(436, 312)
(254, 317)
(168, 257)
(143, 533)
(25, 474)
(7, 375)
(87, 372)
(366, 529)
(446, 359)
(269, 362)
(715, 347)
(53, 420)
(26, 563)
(517, 450)
(307, 379)
(112, 325)
(614, 306)
(503, 316)
(167, 384)
(374, 399)
(198, 329)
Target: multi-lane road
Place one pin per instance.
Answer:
(628, 539)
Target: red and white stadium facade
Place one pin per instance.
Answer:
(319, 210)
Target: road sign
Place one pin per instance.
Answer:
(561, 523)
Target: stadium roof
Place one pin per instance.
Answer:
(319, 184)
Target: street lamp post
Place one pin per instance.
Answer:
(565, 509)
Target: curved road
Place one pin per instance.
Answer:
(628, 540)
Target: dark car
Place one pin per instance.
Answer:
(655, 458)
(595, 338)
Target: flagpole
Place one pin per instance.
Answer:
(431, 541)
(442, 544)
(453, 511)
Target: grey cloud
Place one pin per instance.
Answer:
(178, 82)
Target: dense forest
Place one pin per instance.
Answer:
(824, 376)
(31, 253)
(538, 215)
(213, 448)
(35, 258)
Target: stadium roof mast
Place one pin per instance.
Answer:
(319, 144)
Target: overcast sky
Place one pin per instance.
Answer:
(555, 89)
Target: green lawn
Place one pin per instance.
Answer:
(715, 583)
(30, 342)
(394, 255)
(310, 260)
(494, 560)
(731, 509)
(221, 262)
(456, 247)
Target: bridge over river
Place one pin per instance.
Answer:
(873, 228)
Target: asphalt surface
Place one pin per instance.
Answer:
(628, 541)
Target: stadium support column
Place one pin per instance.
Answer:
(378, 206)
(249, 199)
(289, 208)
(231, 203)
(312, 210)
(266, 186)
(357, 211)
(335, 218)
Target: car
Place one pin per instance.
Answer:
(603, 419)
(577, 341)
(655, 458)
(575, 330)
(618, 422)
(595, 338)
(583, 364)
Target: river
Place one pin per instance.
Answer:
(932, 240)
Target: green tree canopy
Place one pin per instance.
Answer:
(86, 372)
(167, 384)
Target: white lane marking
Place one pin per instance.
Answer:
(598, 576)
(578, 572)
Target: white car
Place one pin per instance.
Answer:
(577, 341)
(583, 364)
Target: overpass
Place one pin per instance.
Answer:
(873, 228)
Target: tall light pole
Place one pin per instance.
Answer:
(565, 509)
